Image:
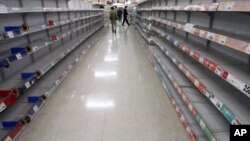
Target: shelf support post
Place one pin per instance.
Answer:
(211, 21)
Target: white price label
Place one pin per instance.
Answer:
(229, 6)
(15, 9)
(176, 42)
(77, 59)
(202, 124)
(242, 86)
(191, 53)
(18, 56)
(43, 26)
(210, 36)
(222, 40)
(2, 107)
(218, 71)
(32, 82)
(10, 34)
(201, 59)
(168, 38)
(169, 75)
(35, 108)
(164, 86)
(187, 73)
(177, 109)
(8, 139)
(174, 60)
(182, 118)
(190, 107)
(203, 34)
(27, 84)
(35, 48)
(196, 83)
(248, 49)
(180, 66)
(46, 43)
(189, 27)
(57, 82)
(216, 102)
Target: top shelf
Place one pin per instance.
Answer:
(191, 7)
(236, 6)
(13, 10)
(142, 1)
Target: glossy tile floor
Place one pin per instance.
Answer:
(112, 95)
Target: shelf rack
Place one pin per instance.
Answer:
(195, 47)
(180, 110)
(41, 41)
(232, 6)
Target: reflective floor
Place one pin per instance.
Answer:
(112, 95)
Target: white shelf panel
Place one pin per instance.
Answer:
(15, 10)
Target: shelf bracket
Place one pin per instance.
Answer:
(9, 124)
(211, 21)
(34, 99)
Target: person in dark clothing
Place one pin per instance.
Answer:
(119, 14)
(125, 15)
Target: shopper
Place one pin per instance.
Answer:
(125, 16)
(113, 17)
(119, 13)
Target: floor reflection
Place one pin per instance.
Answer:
(99, 104)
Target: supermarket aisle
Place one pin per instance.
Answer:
(112, 95)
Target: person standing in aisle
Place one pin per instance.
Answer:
(119, 13)
(125, 15)
(113, 17)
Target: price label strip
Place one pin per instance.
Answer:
(177, 109)
(226, 112)
(236, 44)
(232, 79)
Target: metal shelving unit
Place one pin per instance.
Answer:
(202, 48)
(41, 41)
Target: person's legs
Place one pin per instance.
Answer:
(123, 21)
(113, 28)
(127, 21)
